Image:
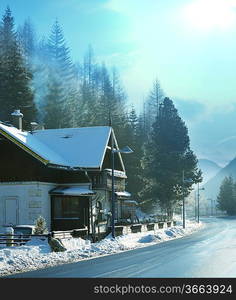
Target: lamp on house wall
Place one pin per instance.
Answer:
(125, 150)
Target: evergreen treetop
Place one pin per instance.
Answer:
(167, 157)
(15, 77)
(226, 199)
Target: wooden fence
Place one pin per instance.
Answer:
(133, 228)
(19, 239)
(22, 239)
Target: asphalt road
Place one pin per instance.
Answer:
(209, 252)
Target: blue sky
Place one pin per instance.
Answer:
(147, 39)
(190, 45)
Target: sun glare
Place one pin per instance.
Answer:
(210, 14)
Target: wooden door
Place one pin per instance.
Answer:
(11, 210)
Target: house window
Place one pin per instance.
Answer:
(97, 180)
(66, 207)
(99, 212)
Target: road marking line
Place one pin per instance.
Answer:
(117, 270)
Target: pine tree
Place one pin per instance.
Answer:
(88, 102)
(133, 161)
(101, 96)
(227, 196)
(43, 73)
(117, 109)
(167, 156)
(55, 113)
(106, 100)
(27, 41)
(15, 78)
(61, 96)
(154, 100)
(59, 54)
(89, 65)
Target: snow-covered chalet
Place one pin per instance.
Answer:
(63, 175)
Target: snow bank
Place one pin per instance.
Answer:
(37, 254)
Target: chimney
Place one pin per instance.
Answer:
(17, 119)
(34, 126)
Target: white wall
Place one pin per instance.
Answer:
(32, 198)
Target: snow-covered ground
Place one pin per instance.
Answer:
(37, 254)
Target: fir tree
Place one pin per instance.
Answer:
(88, 103)
(154, 100)
(59, 54)
(167, 156)
(106, 100)
(60, 98)
(227, 196)
(15, 78)
(133, 161)
(54, 109)
(27, 41)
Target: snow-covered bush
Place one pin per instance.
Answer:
(40, 226)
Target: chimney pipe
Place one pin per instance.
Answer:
(17, 119)
(34, 126)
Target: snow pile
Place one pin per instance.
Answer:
(37, 254)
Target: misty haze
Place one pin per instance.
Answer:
(117, 133)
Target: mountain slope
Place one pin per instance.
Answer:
(213, 185)
(209, 169)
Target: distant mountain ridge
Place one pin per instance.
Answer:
(209, 169)
(213, 185)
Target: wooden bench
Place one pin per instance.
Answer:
(80, 232)
(62, 234)
(136, 228)
(118, 229)
(150, 226)
(160, 225)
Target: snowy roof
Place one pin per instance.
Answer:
(123, 194)
(72, 191)
(130, 202)
(17, 113)
(83, 147)
(117, 173)
(24, 226)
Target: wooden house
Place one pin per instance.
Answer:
(63, 175)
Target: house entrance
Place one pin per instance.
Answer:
(11, 210)
(69, 212)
